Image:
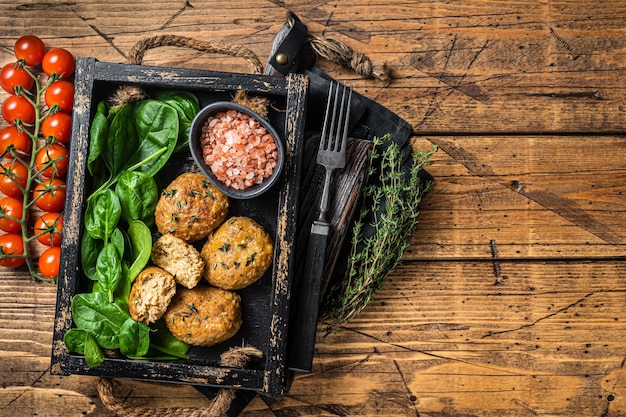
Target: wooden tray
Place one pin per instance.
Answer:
(265, 303)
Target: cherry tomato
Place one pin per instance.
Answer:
(12, 76)
(31, 49)
(58, 61)
(14, 142)
(11, 208)
(49, 262)
(18, 108)
(58, 126)
(60, 93)
(49, 195)
(11, 244)
(52, 160)
(52, 225)
(13, 177)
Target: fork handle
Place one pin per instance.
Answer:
(325, 199)
(301, 343)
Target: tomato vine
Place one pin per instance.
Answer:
(34, 155)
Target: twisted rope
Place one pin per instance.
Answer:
(340, 53)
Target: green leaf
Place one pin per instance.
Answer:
(187, 106)
(93, 354)
(138, 194)
(141, 241)
(134, 338)
(89, 250)
(102, 214)
(122, 140)
(109, 269)
(98, 134)
(93, 313)
(74, 340)
(157, 128)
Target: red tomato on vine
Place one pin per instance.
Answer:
(11, 244)
(12, 76)
(11, 212)
(14, 142)
(60, 93)
(52, 225)
(30, 49)
(18, 108)
(13, 178)
(57, 126)
(52, 159)
(58, 61)
(49, 262)
(49, 195)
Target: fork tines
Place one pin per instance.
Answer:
(337, 118)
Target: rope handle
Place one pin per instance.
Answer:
(136, 54)
(237, 357)
(130, 93)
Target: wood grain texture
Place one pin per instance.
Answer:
(511, 299)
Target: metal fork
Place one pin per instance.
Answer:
(332, 149)
(331, 155)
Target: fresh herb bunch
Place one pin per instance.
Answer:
(391, 199)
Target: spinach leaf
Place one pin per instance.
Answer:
(141, 241)
(98, 134)
(118, 240)
(93, 353)
(163, 345)
(74, 340)
(187, 106)
(138, 194)
(109, 269)
(80, 341)
(93, 313)
(157, 127)
(134, 338)
(121, 293)
(122, 140)
(89, 250)
(102, 214)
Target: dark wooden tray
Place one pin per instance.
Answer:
(265, 303)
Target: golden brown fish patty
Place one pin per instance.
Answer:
(204, 316)
(190, 207)
(237, 254)
(151, 294)
(179, 258)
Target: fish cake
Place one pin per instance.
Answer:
(204, 316)
(151, 294)
(237, 254)
(190, 207)
(179, 258)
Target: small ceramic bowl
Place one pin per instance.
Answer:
(195, 146)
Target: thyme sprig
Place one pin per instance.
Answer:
(391, 199)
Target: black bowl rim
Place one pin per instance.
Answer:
(196, 153)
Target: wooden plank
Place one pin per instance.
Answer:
(465, 67)
(440, 337)
(535, 196)
(489, 66)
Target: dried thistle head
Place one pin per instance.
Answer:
(256, 104)
(127, 94)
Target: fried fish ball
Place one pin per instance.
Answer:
(190, 207)
(151, 294)
(237, 254)
(204, 316)
(179, 258)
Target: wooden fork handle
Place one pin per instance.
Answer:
(301, 343)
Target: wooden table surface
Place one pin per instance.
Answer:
(526, 102)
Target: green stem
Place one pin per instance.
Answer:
(113, 179)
